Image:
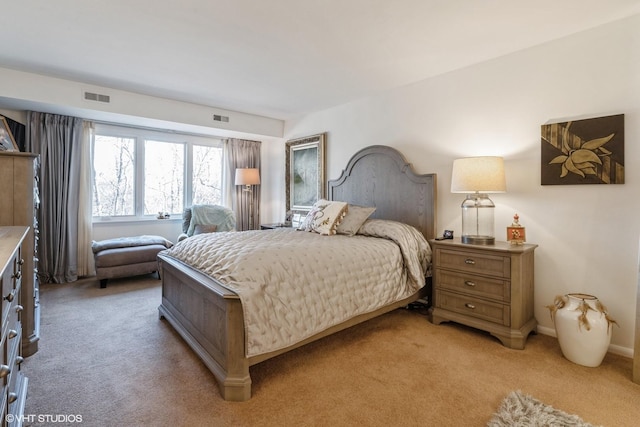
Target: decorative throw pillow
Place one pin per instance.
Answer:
(353, 220)
(307, 223)
(324, 217)
(201, 228)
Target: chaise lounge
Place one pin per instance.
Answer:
(127, 256)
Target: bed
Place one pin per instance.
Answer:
(210, 315)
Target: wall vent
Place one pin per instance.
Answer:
(90, 96)
(219, 118)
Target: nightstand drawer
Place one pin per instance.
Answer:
(471, 284)
(474, 262)
(474, 307)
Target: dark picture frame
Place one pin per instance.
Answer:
(305, 172)
(587, 151)
(7, 142)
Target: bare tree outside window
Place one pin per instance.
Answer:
(163, 177)
(207, 175)
(139, 172)
(113, 176)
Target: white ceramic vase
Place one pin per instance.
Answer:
(583, 328)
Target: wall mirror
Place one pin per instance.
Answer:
(305, 172)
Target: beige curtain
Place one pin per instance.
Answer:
(86, 264)
(241, 153)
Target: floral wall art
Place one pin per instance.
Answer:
(589, 151)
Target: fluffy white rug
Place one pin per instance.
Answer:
(521, 410)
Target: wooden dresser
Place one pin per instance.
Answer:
(12, 273)
(486, 287)
(20, 201)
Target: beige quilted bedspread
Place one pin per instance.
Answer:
(294, 284)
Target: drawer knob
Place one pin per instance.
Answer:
(21, 261)
(18, 274)
(4, 371)
(9, 297)
(469, 261)
(470, 306)
(469, 283)
(19, 360)
(12, 397)
(12, 333)
(19, 308)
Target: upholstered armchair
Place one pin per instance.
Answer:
(199, 219)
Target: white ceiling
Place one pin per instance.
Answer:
(278, 58)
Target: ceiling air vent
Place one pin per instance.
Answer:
(219, 118)
(90, 96)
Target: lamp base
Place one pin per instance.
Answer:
(478, 240)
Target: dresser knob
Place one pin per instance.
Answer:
(470, 306)
(21, 261)
(469, 261)
(18, 274)
(12, 333)
(19, 360)
(19, 308)
(9, 297)
(469, 283)
(4, 371)
(12, 397)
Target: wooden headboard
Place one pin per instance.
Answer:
(380, 176)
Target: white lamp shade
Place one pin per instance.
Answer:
(247, 176)
(478, 174)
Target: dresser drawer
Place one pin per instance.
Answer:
(471, 284)
(474, 307)
(13, 337)
(3, 397)
(10, 278)
(474, 262)
(15, 360)
(4, 359)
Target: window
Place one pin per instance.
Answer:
(207, 174)
(163, 177)
(140, 172)
(113, 176)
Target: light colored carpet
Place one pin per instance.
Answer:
(522, 410)
(106, 356)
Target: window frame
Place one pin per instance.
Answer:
(140, 135)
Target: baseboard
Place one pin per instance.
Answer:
(615, 349)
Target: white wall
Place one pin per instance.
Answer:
(21, 91)
(587, 235)
(168, 228)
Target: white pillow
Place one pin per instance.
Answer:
(353, 220)
(324, 217)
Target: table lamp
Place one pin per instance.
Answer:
(478, 176)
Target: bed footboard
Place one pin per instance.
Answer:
(209, 318)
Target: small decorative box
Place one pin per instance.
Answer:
(515, 232)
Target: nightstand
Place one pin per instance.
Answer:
(272, 226)
(486, 287)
